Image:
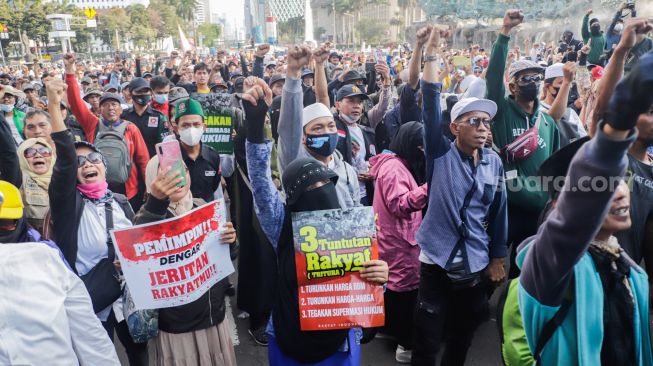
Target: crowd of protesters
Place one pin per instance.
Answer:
(528, 166)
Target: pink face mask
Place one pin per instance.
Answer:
(93, 190)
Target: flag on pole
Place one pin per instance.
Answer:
(185, 44)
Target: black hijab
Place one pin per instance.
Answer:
(303, 346)
(405, 145)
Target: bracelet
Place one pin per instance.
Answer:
(430, 58)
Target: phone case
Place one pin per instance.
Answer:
(169, 153)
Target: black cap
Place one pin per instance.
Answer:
(350, 90)
(275, 78)
(109, 96)
(138, 83)
(147, 74)
(335, 54)
(351, 76)
(301, 173)
(557, 165)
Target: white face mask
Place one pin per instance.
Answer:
(348, 119)
(191, 136)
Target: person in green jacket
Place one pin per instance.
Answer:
(518, 112)
(591, 30)
(14, 117)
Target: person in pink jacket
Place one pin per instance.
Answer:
(400, 195)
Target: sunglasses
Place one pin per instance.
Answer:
(476, 121)
(93, 158)
(31, 152)
(527, 79)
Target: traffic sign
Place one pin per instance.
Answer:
(91, 23)
(90, 13)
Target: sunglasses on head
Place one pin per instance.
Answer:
(526, 79)
(31, 152)
(476, 121)
(93, 158)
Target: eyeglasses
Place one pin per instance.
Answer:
(93, 158)
(476, 121)
(31, 152)
(527, 79)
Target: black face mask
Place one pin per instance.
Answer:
(595, 30)
(18, 235)
(324, 144)
(323, 198)
(529, 91)
(141, 99)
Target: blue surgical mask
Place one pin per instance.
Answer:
(324, 144)
(6, 107)
(161, 98)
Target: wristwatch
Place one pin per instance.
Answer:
(430, 58)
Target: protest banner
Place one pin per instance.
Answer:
(219, 119)
(462, 61)
(175, 261)
(330, 249)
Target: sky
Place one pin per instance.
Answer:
(232, 10)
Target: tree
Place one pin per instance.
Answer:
(113, 23)
(397, 21)
(210, 32)
(186, 9)
(26, 20)
(292, 30)
(372, 31)
(163, 18)
(139, 30)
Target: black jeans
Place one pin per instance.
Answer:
(398, 306)
(136, 352)
(445, 313)
(522, 224)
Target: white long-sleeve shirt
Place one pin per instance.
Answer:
(46, 315)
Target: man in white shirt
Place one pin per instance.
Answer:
(46, 316)
(558, 79)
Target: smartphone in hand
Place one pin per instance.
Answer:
(169, 153)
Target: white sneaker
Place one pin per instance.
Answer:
(402, 355)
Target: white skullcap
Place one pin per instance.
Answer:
(314, 111)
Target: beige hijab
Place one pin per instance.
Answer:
(43, 180)
(178, 208)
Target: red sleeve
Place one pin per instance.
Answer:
(141, 156)
(86, 119)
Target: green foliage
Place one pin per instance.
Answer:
(210, 32)
(139, 29)
(489, 9)
(372, 31)
(186, 9)
(291, 31)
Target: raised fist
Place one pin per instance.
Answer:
(262, 50)
(513, 18)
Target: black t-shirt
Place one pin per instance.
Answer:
(151, 124)
(640, 181)
(204, 172)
